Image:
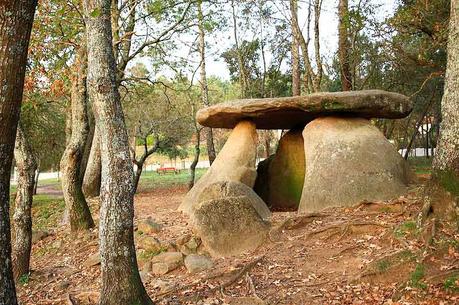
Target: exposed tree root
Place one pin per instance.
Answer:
(70, 300)
(237, 275)
(442, 275)
(344, 226)
(243, 271)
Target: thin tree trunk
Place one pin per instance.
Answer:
(16, 18)
(262, 49)
(92, 176)
(197, 152)
(88, 145)
(76, 206)
(203, 82)
(37, 176)
(22, 217)
(267, 145)
(242, 73)
(296, 85)
(343, 45)
(137, 174)
(446, 160)
(121, 283)
(317, 80)
(417, 125)
(312, 80)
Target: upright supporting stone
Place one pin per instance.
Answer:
(235, 162)
(280, 178)
(349, 160)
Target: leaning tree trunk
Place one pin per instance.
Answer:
(197, 152)
(22, 217)
(121, 283)
(76, 206)
(91, 180)
(446, 160)
(16, 18)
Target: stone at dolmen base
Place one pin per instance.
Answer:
(280, 178)
(231, 219)
(349, 160)
(235, 162)
(291, 112)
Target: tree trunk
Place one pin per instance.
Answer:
(203, 82)
(242, 73)
(197, 152)
(16, 18)
(343, 45)
(296, 86)
(22, 217)
(417, 125)
(317, 80)
(92, 175)
(137, 174)
(76, 206)
(88, 145)
(446, 160)
(121, 283)
(37, 176)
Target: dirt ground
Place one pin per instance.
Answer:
(372, 253)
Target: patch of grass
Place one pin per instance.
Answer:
(47, 211)
(24, 279)
(416, 277)
(452, 283)
(421, 165)
(383, 265)
(449, 242)
(153, 180)
(385, 210)
(405, 228)
(407, 255)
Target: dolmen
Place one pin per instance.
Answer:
(330, 155)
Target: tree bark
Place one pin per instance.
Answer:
(76, 206)
(197, 152)
(37, 176)
(203, 82)
(343, 45)
(22, 217)
(16, 18)
(92, 175)
(312, 80)
(296, 85)
(242, 73)
(141, 161)
(317, 79)
(121, 283)
(446, 160)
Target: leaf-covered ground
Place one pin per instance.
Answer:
(373, 253)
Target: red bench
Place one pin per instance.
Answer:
(165, 170)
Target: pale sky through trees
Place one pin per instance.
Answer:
(222, 40)
(329, 33)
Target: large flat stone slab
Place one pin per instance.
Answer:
(291, 112)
